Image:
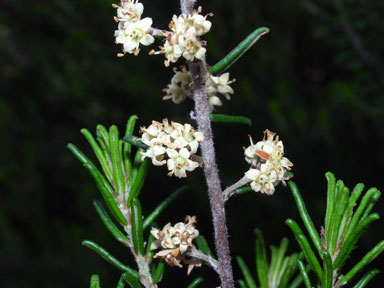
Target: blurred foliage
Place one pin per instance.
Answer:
(316, 79)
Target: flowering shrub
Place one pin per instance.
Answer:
(174, 144)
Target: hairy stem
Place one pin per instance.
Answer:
(199, 73)
(230, 191)
(195, 253)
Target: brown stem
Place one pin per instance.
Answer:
(199, 74)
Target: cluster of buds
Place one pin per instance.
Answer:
(268, 164)
(175, 242)
(132, 30)
(180, 87)
(184, 38)
(176, 141)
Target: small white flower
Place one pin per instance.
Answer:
(179, 88)
(218, 85)
(172, 49)
(268, 166)
(175, 240)
(135, 34)
(179, 162)
(263, 180)
(129, 11)
(193, 49)
(156, 153)
(201, 24)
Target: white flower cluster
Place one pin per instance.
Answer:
(180, 87)
(132, 30)
(175, 241)
(176, 141)
(268, 166)
(183, 40)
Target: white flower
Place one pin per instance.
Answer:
(135, 34)
(190, 138)
(129, 11)
(175, 240)
(221, 84)
(172, 49)
(263, 180)
(174, 141)
(268, 166)
(156, 153)
(183, 40)
(179, 88)
(201, 24)
(179, 162)
(193, 49)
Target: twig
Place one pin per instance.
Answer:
(199, 73)
(229, 191)
(212, 262)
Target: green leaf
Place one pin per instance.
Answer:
(304, 274)
(366, 278)
(159, 272)
(279, 263)
(148, 250)
(133, 282)
(203, 246)
(290, 270)
(135, 141)
(246, 273)
(117, 161)
(107, 221)
(127, 148)
(243, 190)
(368, 258)
(305, 247)
(103, 136)
(121, 283)
(221, 118)
(161, 207)
(261, 259)
(328, 270)
(136, 163)
(195, 282)
(360, 211)
(98, 152)
(351, 241)
(238, 51)
(296, 282)
(371, 204)
(342, 204)
(315, 237)
(242, 284)
(95, 281)
(331, 190)
(137, 227)
(103, 185)
(355, 195)
(138, 181)
(105, 254)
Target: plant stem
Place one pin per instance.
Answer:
(229, 191)
(199, 73)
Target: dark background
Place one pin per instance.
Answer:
(317, 80)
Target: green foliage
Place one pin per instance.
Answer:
(343, 228)
(195, 282)
(278, 272)
(221, 118)
(232, 57)
(120, 187)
